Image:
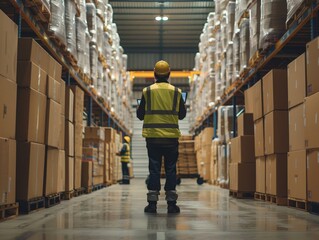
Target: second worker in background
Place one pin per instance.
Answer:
(161, 107)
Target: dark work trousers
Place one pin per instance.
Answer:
(155, 153)
(125, 173)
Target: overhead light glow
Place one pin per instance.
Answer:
(164, 18)
(158, 18)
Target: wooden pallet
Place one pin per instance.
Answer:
(255, 59)
(57, 40)
(241, 195)
(260, 196)
(98, 187)
(280, 201)
(88, 190)
(9, 211)
(71, 58)
(35, 204)
(304, 6)
(297, 203)
(40, 10)
(78, 192)
(313, 207)
(52, 200)
(67, 195)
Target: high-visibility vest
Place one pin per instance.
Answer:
(126, 157)
(161, 111)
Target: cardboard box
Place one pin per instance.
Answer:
(242, 149)
(62, 88)
(8, 47)
(8, 108)
(61, 171)
(276, 132)
(297, 128)
(30, 170)
(242, 177)
(297, 175)
(258, 100)
(275, 91)
(206, 158)
(61, 144)
(109, 134)
(31, 112)
(276, 175)
(259, 138)
(89, 154)
(249, 100)
(312, 67)
(245, 124)
(69, 105)
(30, 50)
(311, 122)
(69, 173)
(69, 139)
(55, 69)
(95, 133)
(261, 175)
(86, 179)
(312, 175)
(78, 140)
(207, 136)
(54, 89)
(32, 76)
(53, 123)
(296, 73)
(7, 171)
(78, 104)
(77, 172)
(51, 172)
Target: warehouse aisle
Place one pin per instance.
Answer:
(207, 213)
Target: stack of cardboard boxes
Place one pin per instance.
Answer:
(78, 134)
(186, 163)
(95, 139)
(242, 168)
(110, 155)
(8, 101)
(117, 169)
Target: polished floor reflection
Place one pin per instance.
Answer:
(207, 213)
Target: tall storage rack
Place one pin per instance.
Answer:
(30, 25)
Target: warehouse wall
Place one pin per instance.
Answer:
(139, 151)
(145, 61)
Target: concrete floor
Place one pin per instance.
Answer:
(207, 213)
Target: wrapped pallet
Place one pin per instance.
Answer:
(229, 65)
(222, 168)
(223, 27)
(242, 7)
(82, 7)
(93, 64)
(91, 20)
(70, 26)
(231, 6)
(99, 83)
(254, 27)
(244, 44)
(86, 66)
(100, 8)
(99, 35)
(57, 20)
(272, 21)
(292, 7)
(236, 56)
(81, 42)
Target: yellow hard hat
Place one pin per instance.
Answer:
(162, 68)
(127, 138)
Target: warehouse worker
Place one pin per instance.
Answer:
(125, 160)
(161, 107)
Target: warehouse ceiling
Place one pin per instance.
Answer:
(141, 33)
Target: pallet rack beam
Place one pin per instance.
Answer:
(307, 21)
(26, 14)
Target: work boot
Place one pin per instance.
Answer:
(172, 208)
(151, 207)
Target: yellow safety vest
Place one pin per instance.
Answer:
(161, 111)
(127, 155)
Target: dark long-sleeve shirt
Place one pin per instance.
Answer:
(140, 113)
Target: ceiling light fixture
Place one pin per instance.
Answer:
(164, 18)
(159, 18)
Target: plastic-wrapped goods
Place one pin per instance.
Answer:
(228, 151)
(100, 8)
(229, 65)
(292, 7)
(99, 82)
(211, 19)
(46, 3)
(109, 14)
(197, 62)
(244, 44)
(93, 64)
(91, 20)
(272, 21)
(82, 6)
(218, 84)
(124, 62)
(70, 26)
(222, 168)
(254, 26)
(57, 20)
(223, 73)
(236, 56)
(220, 6)
(86, 66)
(231, 6)
(99, 35)
(242, 7)
(223, 27)
(80, 41)
(221, 124)
(228, 115)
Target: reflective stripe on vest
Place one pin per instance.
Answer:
(127, 156)
(161, 113)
